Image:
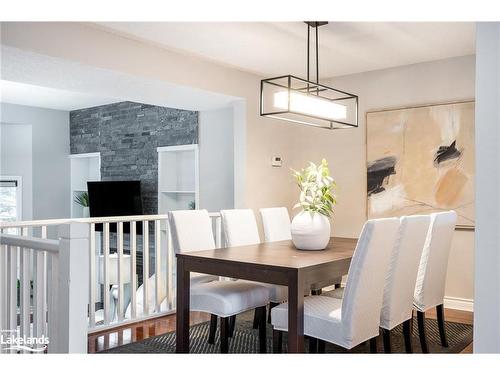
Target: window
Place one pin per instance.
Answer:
(10, 198)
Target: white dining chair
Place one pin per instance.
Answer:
(192, 231)
(431, 277)
(240, 229)
(397, 303)
(276, 224)
(354, 319)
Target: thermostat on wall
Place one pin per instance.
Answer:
(276, 161)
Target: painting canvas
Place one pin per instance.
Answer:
(421, 160)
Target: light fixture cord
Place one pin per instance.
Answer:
(317, 59)
(308, 45)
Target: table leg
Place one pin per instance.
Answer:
(182, 318)
(295, 312)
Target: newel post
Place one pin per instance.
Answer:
(68, 322)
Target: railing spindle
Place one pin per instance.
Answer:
(92, 277)
(3, 291)
(158, 277)
(52, 296)
(121, 271)
(170, 268)
(133, 277)
(106, 273)
(24, 288)
(39, 296)
(145, 266)
(12, 285)
(218, 232)
(44, 297)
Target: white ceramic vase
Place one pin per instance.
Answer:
(86, 212)
(310, 231)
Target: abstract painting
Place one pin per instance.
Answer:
(421, 160)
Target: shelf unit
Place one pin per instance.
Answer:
(178, 174)
(84, 167)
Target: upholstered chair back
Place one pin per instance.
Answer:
(191, 230)
(431, 277)
(240, 227)
(397, 303)
(365, 282)
(276, 223)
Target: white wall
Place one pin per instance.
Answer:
(16, 160)
(216, 142)
(50, 162)
(487, 291)
(426, 83)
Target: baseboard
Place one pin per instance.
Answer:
(455, 303)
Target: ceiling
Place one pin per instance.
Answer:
(278, 48)
(37, 80)
(38, 96)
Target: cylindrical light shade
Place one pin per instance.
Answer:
(293, 99)
(310, 105)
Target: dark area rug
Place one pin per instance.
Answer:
(245, 340)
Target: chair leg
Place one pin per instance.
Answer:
(421, 331)
(277, 341)
(255, 319)
(232, 323)
(313, 345)
(224, 335)
(321, 346)
(262, 330)
(271, 305)
(337, 286)
(373, 345)
(316, 292)
(386, 336)
(213, 328)
(407, 333)
(440, 319)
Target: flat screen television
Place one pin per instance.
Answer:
(115, 198)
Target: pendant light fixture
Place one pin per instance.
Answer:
(307, 102)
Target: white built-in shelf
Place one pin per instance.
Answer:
(177, 178)
(84, 167)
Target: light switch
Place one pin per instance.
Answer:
(276, 161)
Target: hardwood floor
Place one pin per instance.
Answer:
(153, 327)
(137, 331)
(458, 316)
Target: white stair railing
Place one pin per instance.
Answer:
(41, 287)
(123, 285)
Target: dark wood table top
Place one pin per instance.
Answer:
(282, 254)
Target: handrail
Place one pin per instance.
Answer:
(37, 244)
(96, 220)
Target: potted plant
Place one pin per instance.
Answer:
(82, 199)
(311, 227)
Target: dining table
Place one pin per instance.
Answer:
(278, 263)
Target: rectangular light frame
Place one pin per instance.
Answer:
(292, 84)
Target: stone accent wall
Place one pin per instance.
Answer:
(127, 135)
